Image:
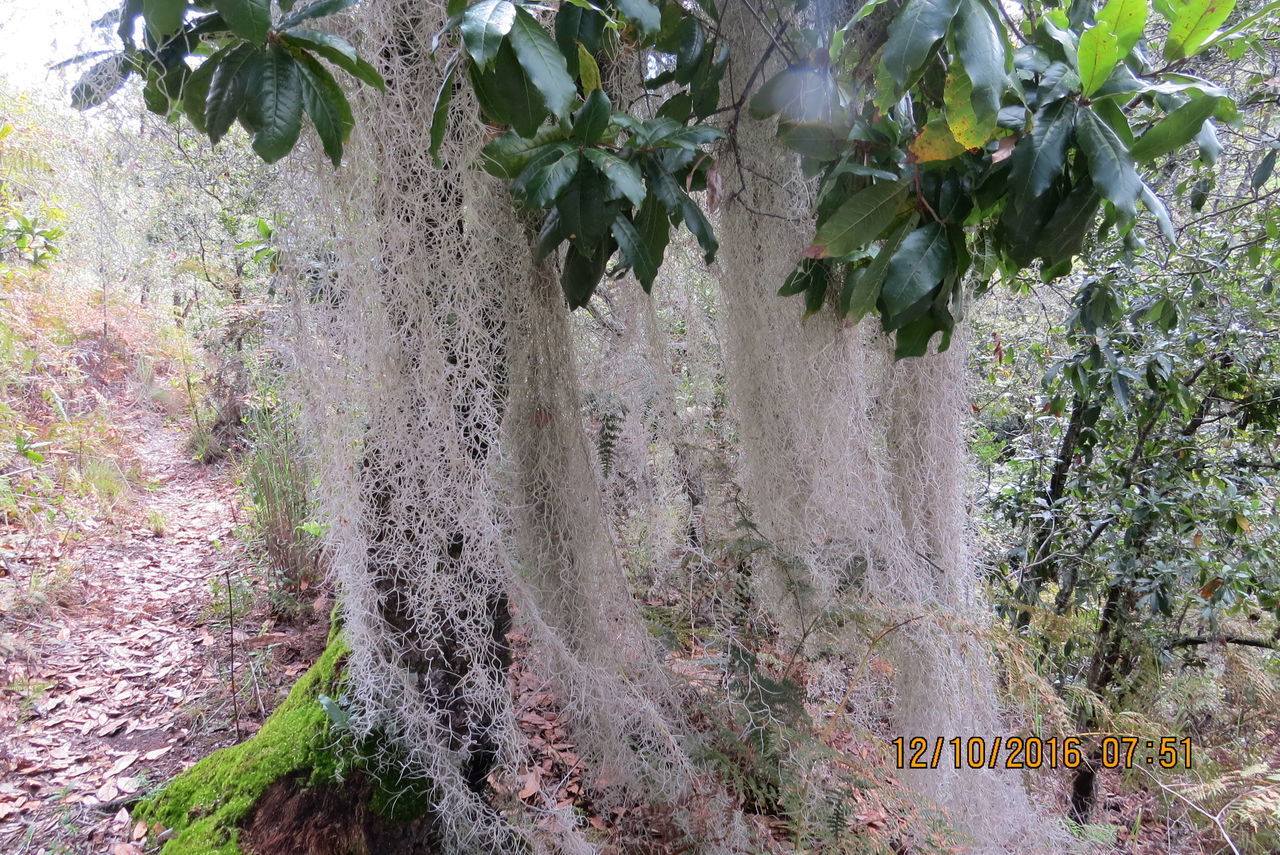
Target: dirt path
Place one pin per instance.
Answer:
(119, 680)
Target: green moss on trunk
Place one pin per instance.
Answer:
(205, 805)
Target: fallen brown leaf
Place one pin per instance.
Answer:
(532, 785)
(123, 763)
(158, 752)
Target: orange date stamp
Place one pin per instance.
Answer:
(1118, 751)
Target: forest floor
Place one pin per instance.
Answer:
(136, 635)
(117, 639)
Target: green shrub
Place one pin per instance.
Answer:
(278, 482)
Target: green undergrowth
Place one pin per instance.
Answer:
(204, 805)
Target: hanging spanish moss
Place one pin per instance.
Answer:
(854, 467)
(405, 365)
(444, 395)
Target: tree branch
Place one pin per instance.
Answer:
(1196, 640)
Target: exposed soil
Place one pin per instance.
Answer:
(329, 819)
(117, 678)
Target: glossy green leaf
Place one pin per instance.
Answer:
(914, 273)
(1262, 172)
(816, 295)
(1021, 225)
(864, 9)
(581, 274)
(686, 137)
(661, 79)
(623, 176)
(678, 107)
(506, 94)
(1112, 113)
(1127, 19)
(798, 95)
(506, 156)
(319, 9)
(327, 106)
(195, 92)
(1174, 130)
(1194, 24)
(1121, 82)
(654, 226)
(163, 16)
(912, 339)
(642, 13)
(983, 54)
(859, 220)
(154, 98)
(227, 88)
(1104, 46)
(550, 236)
(697, 222)
(546, 175)
(636, 252)
(174, 80)
(336, 50)
(862, 285)
(583, 213)
(1040, 156)
(691, 39)
(484, 26)
(574, 27)
(677, 202)
(1064, 234)
(274, 105)
(1209, 144)
(1059, 81)
(543, 62)
(1242, 25)
(705, 85)
(1110, 164)
(1158, 210)
(1098, 55)
(912, 35)
(248, 19)
(592, 119)
(803, 277)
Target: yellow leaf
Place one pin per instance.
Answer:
(936, 143)
(1243, 522)
(588, 71)
(966, 127)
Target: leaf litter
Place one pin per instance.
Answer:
(120, 681)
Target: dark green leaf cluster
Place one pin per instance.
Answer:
(610, 183)
(989, 146)
(1139, 488)
(962, 143)
(265, 74)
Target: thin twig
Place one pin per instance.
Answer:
(231, 635)
(1214, 818)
